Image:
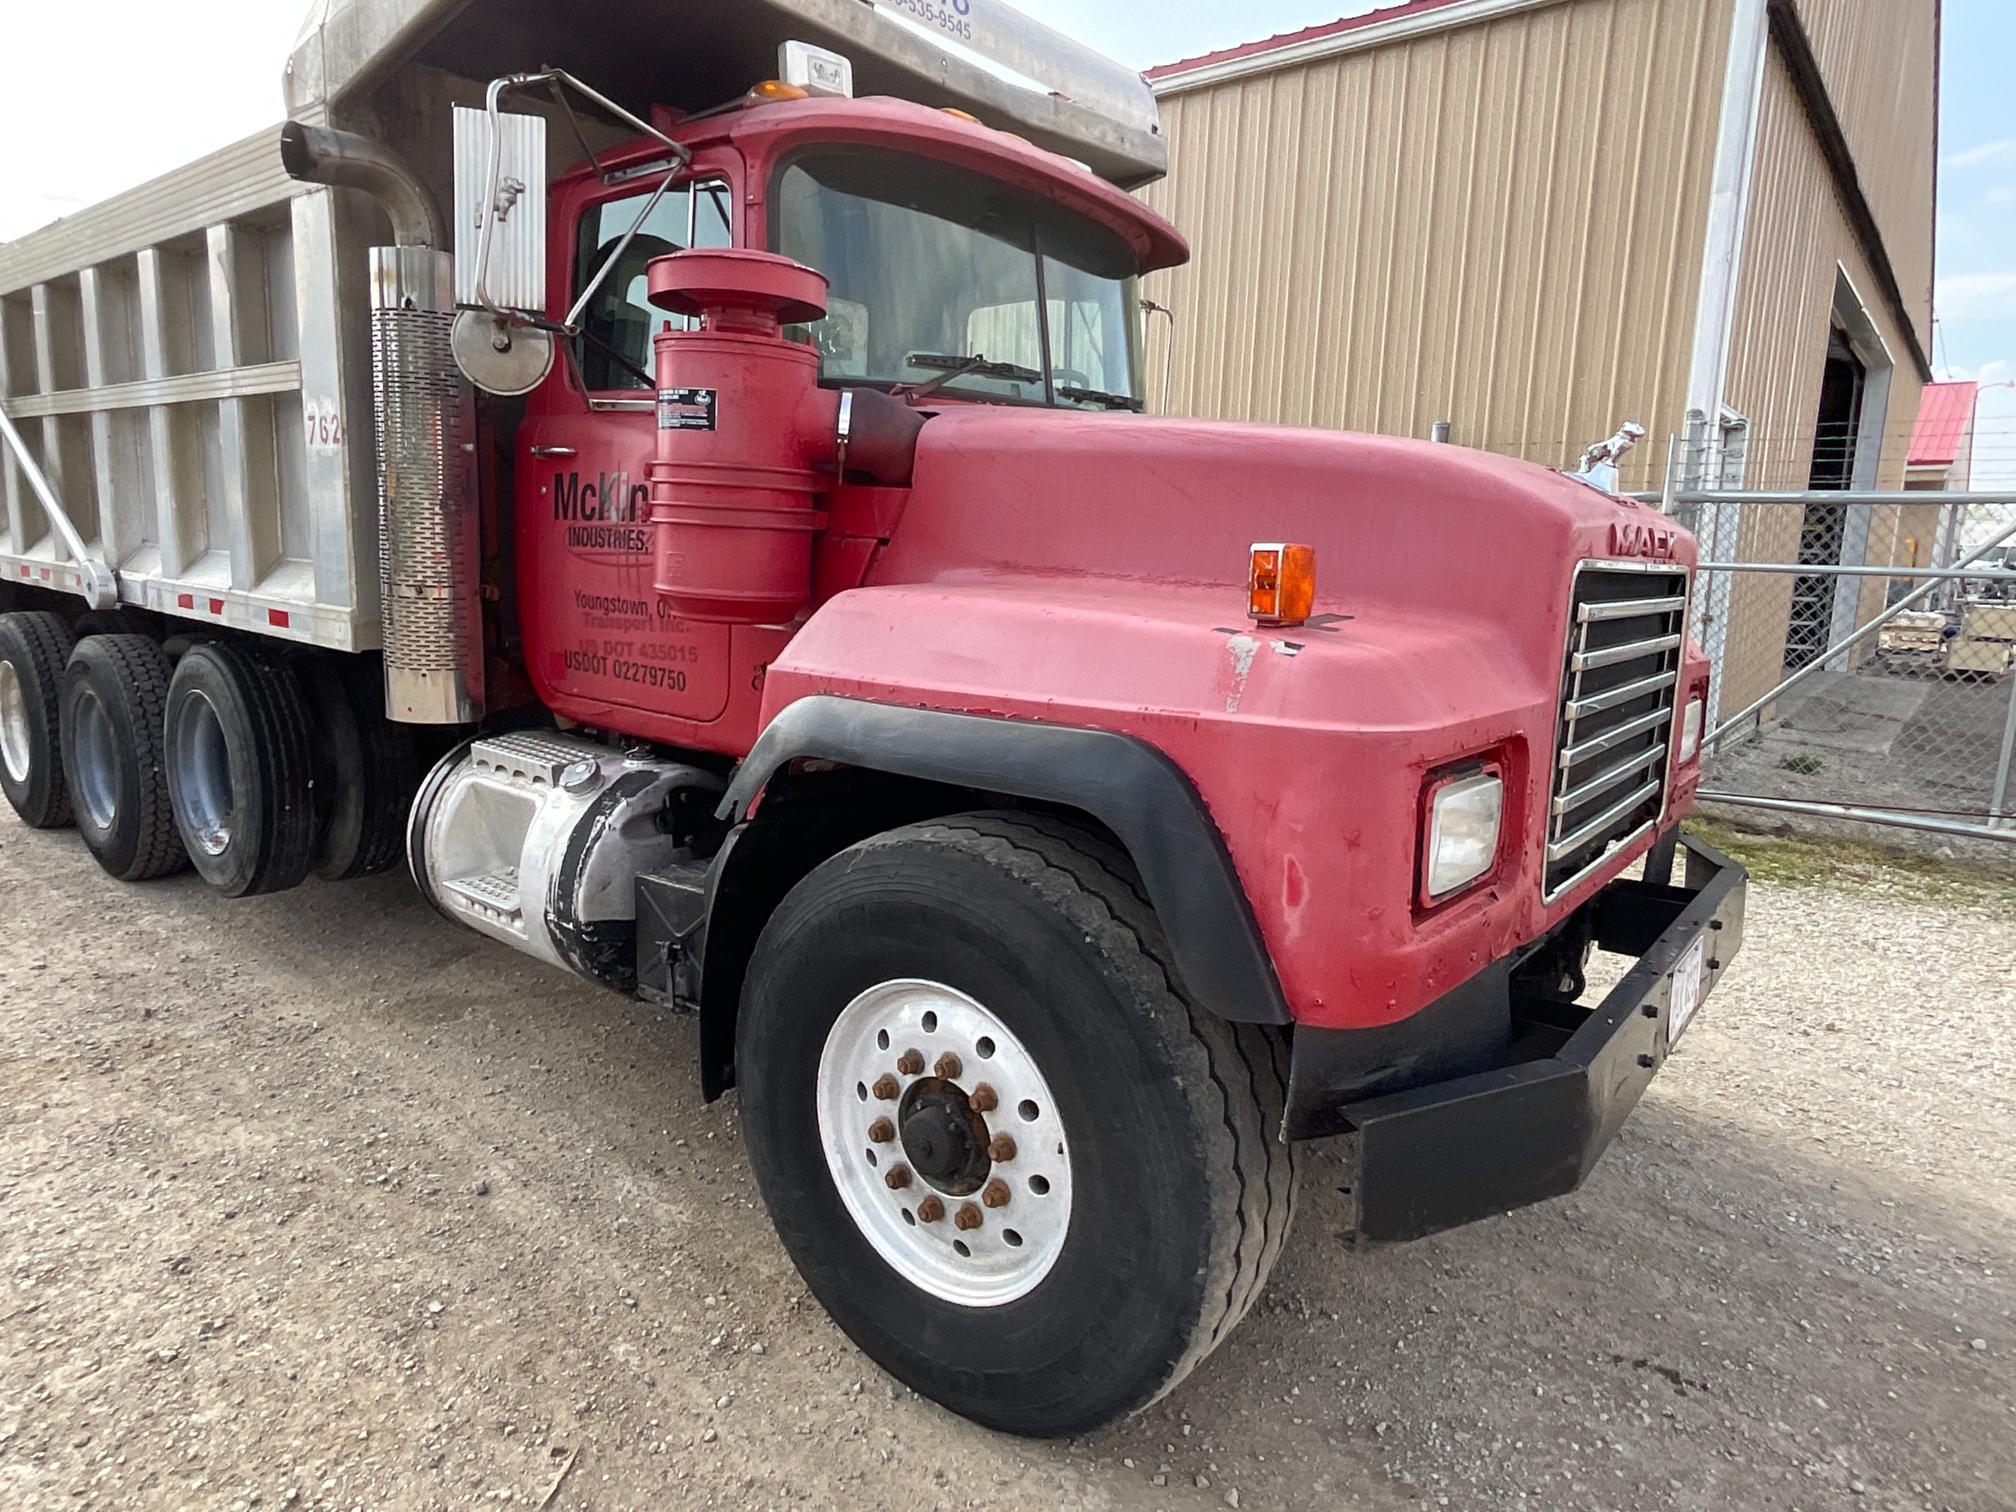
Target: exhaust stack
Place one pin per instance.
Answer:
(428, 580)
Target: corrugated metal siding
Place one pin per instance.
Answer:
(1798, 234)
(1878, 58)
(1498, 226)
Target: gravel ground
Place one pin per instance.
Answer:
(317, 1201)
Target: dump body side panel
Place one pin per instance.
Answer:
(186, 365)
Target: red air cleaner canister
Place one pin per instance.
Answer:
(741, 419)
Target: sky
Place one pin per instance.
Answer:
(182, 89)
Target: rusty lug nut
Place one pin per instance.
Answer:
(983, 1099)
(967, 1218)
(911, 1063)
(1002, 1148)
(995, 1193)
(930, 1210)
(947, 1067)
(881, 1131)
(896, 1177)
(887, 1087)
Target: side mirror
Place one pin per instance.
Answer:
(500, 211)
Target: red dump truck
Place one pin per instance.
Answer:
(704, 519)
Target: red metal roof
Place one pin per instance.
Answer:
(1280, 40)
(1945, 416)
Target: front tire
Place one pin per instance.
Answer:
(1144, 1194)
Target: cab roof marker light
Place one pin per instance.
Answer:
(815, 70)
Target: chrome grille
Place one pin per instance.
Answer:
(1619, 683)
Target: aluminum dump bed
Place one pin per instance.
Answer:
(188, 363)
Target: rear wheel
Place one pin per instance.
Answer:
(1011, 1159)
(239, 768)
(114, 695)
(366, 771)
(34, 647)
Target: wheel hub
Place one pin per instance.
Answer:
(14, 738)
(944, 1142)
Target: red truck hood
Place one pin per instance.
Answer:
(1401, 524)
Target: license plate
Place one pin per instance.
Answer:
(1686, 991)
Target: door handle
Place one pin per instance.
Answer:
(552, 451)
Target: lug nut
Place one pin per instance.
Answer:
(1002, 1148)
(911, 1063)
(896, 1178)
(930, 1210)
(947, 1067)
(967, 1218)
(881, 1131)
(887, 1087)
(995, 1193)
(983, 1100)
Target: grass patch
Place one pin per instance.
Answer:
(1817, 861)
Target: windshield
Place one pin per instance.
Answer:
(933, 261)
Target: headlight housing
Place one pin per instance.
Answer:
(1691, 720)
(1461, 839)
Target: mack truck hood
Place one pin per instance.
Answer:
(1400, 527)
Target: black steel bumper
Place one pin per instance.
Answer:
(1560, 1080)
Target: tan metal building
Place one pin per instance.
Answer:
(1535, 219)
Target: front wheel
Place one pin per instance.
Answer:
(1012, 1160)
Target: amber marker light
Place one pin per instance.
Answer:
(1281, 583)
(774, 89)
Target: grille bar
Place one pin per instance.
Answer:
(1595, 703)
(1588, 661)
(1569, 844)
(1605, 780)
(1620, 678)
(1629, 608)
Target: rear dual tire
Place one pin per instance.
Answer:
(34, 648)
(1151, 1121)
(114, 692)
(240, 768)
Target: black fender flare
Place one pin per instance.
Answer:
(1125, 783)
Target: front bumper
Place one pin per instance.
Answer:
(1562, 1079)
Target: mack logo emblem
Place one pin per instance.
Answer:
(686, 409)
(1632, 538)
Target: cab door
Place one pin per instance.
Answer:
(595, 638)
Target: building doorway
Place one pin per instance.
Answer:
(1822, 532)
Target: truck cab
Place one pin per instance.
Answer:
(940, 239)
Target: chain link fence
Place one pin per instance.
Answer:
(1863, 640)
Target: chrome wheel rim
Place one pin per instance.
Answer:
(944, 1142)
(200, 775)
(95, 780)
(14, 746)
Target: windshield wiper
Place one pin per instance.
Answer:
(958, 367)
(1079, 395)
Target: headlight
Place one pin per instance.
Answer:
(1690, 729)
(1462, 840)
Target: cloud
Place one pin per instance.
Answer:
(1997, 371)
(1975, 296)
(1986, 155)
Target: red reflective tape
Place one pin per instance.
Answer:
(45, 574)
(216, 606)
(277, 617)
(185, 601)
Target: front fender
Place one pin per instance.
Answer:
(1119, 780)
